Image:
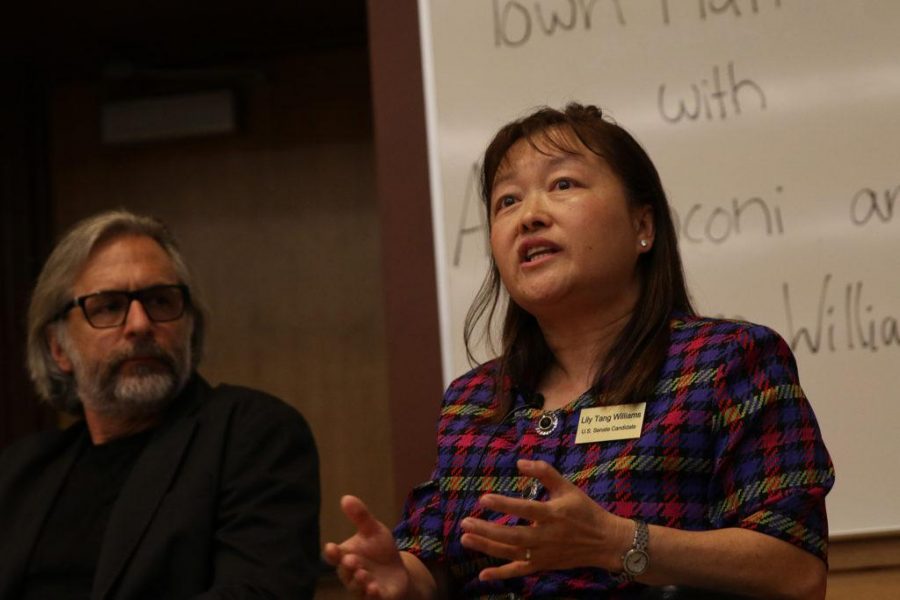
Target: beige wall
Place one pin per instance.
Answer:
(279, 224)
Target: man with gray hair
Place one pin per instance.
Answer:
(166, 487)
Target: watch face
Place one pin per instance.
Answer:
(636, 561)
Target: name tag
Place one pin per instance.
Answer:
(610, 423)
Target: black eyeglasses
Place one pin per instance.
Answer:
(110, 309)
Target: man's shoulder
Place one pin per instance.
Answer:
(32, 441)
(227, 393)
(29, 452)
(249, 406)
(41, 440)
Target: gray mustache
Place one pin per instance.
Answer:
(144, 348)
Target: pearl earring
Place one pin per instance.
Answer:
(643, 243)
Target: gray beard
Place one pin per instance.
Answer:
(137, 395)
(143, 393)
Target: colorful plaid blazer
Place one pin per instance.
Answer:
(728, 440)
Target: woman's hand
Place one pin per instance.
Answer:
(569, 530)
(368, 563)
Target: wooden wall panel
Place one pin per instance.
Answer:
(414, 369)
(279, 224)
(864, 567)
(869, 584)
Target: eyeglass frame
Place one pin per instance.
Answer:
(132, 296)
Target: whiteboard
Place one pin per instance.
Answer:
(775, 125)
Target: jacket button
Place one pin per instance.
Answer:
(547, 424)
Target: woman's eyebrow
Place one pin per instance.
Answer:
(553, 161)
(502, 177)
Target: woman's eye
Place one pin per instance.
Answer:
(505, 201)
(563, 184)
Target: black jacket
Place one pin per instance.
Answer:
(223, 502)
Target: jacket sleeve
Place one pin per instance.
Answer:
(772, 470)
(266, 540)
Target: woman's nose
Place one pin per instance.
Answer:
(534, 213)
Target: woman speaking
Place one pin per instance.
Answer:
(618, 441)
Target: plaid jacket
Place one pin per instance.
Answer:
(728, 440)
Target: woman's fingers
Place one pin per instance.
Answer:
(507, 571)
(567, 530)
(359, 515)
(530, 510)
(522, 561)
(361, 579)
(354, 573)
(544, 472)
(508, 543)
(504, 534)
(367, 563)
(491, 547)
(332, 554)
(557, 485)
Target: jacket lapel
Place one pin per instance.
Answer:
(141, 495)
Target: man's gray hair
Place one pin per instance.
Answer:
(54, 290)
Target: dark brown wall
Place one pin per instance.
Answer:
(414, 364)
(308, 262)
(24, 240)
(279, 223)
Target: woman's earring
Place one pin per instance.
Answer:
(643, 243)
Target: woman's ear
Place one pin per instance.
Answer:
(644, 228)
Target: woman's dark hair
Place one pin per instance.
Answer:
(631, 369)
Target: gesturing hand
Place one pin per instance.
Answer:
(368, 563)
(569, 530)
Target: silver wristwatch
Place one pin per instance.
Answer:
(636, 560)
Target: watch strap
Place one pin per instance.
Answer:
(638, 549)
(641, 535)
